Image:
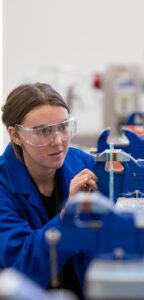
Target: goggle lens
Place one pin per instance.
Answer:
(42, 135)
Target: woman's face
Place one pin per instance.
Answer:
(51, 148)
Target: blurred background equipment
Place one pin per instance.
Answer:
(98, 99)
(105, 98)
(122, 87)
(115, 280)
(16, 286)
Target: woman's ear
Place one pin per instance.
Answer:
(14, 136)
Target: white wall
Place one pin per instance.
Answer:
(85, 35)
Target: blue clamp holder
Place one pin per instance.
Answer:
(135, 147)
(127, 182)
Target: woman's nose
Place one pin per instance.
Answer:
(56, 138)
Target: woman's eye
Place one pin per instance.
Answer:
(44, 131)
(63, 126)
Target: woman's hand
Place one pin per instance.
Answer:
(86, 180)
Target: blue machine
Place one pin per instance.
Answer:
(114, 241)
(97, 226)
(129, 182)
(135, 147)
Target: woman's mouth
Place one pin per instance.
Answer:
(58, 153)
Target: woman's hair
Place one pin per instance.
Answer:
(24, 98)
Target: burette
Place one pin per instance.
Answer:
(111, 174)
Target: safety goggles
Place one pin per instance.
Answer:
(42, 135)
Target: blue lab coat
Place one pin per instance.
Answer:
(24, 220)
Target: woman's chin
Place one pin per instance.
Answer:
(57, 164)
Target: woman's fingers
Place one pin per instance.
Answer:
(83, 181)
(87, 172)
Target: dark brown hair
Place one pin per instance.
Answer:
(24, 98)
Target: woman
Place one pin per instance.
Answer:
(38, 173)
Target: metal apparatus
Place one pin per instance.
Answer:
(53, 236)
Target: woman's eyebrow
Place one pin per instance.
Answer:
(48, 124)
(40, 126)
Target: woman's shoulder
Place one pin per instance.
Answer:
(79, 151)
(74, 153)
(3, 156)
(6, 156)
